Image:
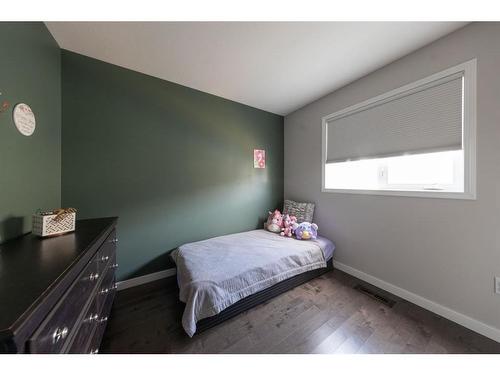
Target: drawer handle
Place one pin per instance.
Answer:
(93, 276)
(107, 290)
(104, 258)
(94, 351)
(91, 318)
(59, 334)
(114, 266)
(103, 320)
(114, 240)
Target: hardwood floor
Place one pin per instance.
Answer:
(325, 315)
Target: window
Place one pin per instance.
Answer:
(418, 140)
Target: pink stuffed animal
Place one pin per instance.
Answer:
(274, 221)
(288, 224)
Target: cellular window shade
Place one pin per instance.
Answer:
(424, 119)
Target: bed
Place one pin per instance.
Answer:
(223, 276)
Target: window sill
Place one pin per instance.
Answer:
(405, 193)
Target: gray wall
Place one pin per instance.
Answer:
(175, 164)
(445, 250)
(30, 167)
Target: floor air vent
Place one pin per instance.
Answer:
(373, 294)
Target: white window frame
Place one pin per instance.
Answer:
(469, 70)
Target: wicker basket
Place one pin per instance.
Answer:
(54, 222)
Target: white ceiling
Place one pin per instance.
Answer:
(275, 66)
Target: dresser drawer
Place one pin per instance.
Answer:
(95, 341)
(108, 285)
(97, 315)
(59, 326)
(91, 319)
(107, 251)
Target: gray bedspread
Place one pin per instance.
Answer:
(215, 273)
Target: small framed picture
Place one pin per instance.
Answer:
(259, 158)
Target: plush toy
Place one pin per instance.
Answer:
(306, 231)
(274, 221)
(288, 223)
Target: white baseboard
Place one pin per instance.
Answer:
(125, 284)
(464, 320)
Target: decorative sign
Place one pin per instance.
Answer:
(24, 119)
(259, 158)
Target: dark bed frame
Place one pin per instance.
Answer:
(261, 297)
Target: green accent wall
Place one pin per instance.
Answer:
(30, 167)
(175, 164)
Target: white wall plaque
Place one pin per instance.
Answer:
(24, 119)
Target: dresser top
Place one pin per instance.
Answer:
(31, 267)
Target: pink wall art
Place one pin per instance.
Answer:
(259, 158)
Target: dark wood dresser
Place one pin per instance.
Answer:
(56, 293)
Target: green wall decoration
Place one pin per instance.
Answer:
(175, 164)
(30, 167)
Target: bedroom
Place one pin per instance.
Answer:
(249, 187)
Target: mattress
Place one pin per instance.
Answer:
(326, 246)
(214, 274)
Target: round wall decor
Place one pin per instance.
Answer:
(24, 119)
